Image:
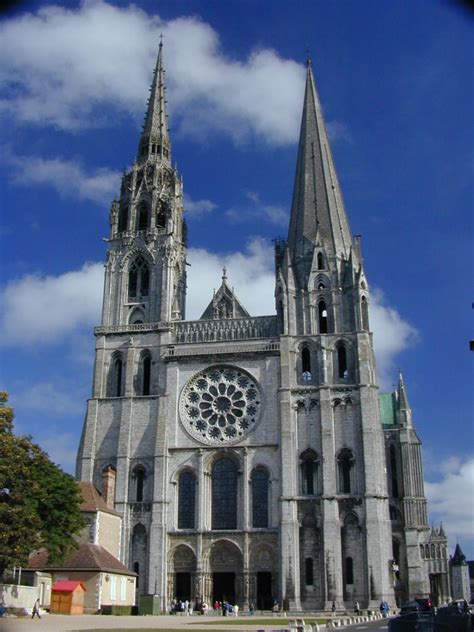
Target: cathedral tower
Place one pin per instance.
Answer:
(145, 277)
(337, 509)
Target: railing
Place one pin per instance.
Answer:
(215, 349)
(194, 331)
(198, 331)
(125, 329)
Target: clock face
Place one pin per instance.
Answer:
(220, 405)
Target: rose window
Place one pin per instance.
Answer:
(220, 404)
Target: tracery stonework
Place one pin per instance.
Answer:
(221, 404)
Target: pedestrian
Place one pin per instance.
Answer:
(356, 607)
(251, 608)
(36, 609)
(236, 610)
(333, 607)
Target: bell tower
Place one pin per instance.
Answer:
(335, 515)
(145, 278)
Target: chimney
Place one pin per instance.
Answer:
(108, 486)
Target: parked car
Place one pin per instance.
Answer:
(410, 606)
(425, 604)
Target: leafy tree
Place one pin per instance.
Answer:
(39, 503)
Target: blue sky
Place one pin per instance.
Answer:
(395, 80)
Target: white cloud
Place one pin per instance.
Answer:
(450, 500)
(67, 177)
(43, 309)
(254, 209)
(198, 208)
(48, 397)
(392, 335)
(62, 67)
(250, 272)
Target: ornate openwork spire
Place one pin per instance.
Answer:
(317, 199)
(154, 140)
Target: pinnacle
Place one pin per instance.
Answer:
(317, 206)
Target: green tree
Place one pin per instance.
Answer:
(39, 503)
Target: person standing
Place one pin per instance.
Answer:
(356, 607)
(36, 610)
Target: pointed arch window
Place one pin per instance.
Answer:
(224, 494)
(306, 373)
(323, 317)
(365, 314)
(143, 217)
(123, 218)
(308, 571)
(138, 486)
(309, 473)
(138, 279)
(260, 480)
(115, 388)
(342, 369)
(320, 261)
(345, 463)
(349, 570)
(143, 376)
(186, 500)
(393, 471)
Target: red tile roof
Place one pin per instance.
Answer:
(93, 500)
(92, 557)
(67, 586)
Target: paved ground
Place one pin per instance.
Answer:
(64, 623)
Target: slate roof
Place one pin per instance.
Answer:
(93, 500)
(92, 557)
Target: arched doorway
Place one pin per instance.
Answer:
(183, 570)
(225, 568)
(264, 585)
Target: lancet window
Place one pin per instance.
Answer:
(323, 317)
(345, 463)
(309, 472)
(138, 484)
(186, 500)
(260, 481)
(224, 494)
(115, 381)
(138, 279)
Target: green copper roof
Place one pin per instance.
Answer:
(387, 406)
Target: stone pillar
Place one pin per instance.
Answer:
(246, 492)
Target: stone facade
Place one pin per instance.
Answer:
(246, 455)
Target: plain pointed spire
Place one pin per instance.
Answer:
(155, 139)
(317, 204)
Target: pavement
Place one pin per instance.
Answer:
(194, 623)
(70, 623)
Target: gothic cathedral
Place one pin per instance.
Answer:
(253, 459)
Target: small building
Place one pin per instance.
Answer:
(107, 581)
(68, 597)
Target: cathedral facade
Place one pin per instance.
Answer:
(252, 458)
